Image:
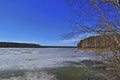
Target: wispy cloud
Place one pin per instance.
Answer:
(72, 40)
(76, 39)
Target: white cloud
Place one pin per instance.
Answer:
(72, 40)
(76, 39)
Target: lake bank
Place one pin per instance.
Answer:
(98, 49)
(75, 71)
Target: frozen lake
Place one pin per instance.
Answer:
(31, 58)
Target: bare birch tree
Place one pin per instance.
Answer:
(99, 17)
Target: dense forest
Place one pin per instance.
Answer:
(18, 45)
(98, 42)
(28, 45)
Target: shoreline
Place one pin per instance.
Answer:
(75, 71)
(105, 49)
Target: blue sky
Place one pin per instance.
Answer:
(38, 21)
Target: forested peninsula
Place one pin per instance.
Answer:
(98, 42)
(18, 45)
(28, 45)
